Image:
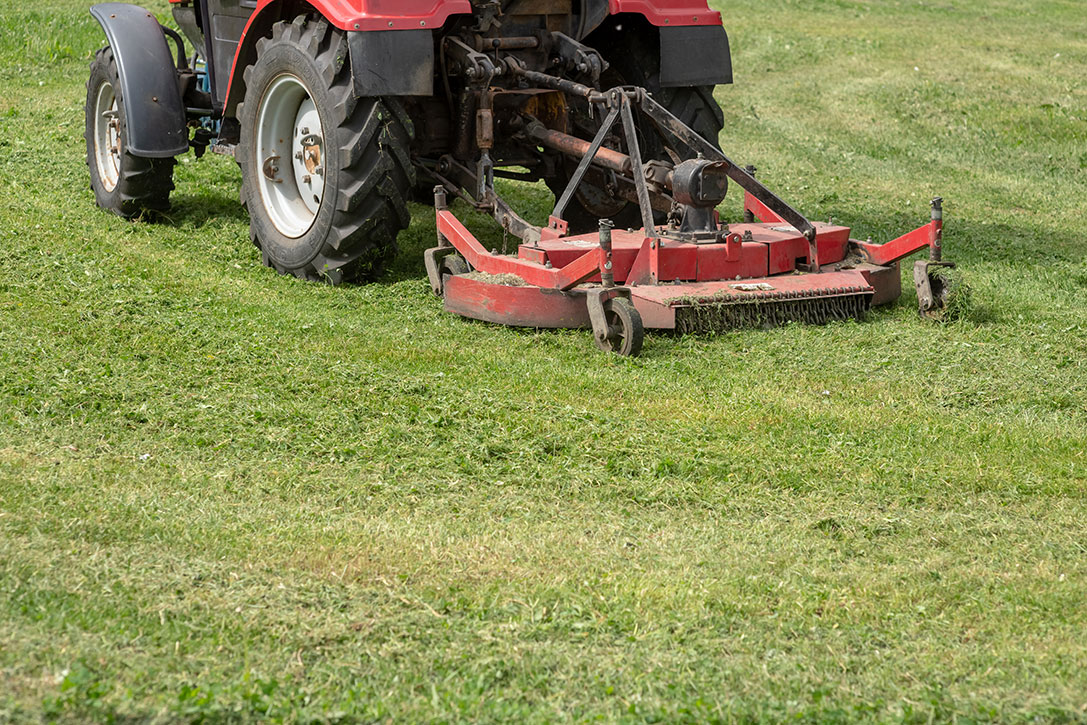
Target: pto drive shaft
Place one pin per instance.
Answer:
(577, 148)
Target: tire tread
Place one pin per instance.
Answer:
(374, 136)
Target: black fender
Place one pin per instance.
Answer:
(154, 112)
(392, 62)
(696, 55)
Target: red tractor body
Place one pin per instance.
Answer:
(413, 14)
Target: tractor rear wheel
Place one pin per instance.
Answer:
(126, 185)
(635, 57)
(325, 175)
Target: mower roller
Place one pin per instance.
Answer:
(338, 111)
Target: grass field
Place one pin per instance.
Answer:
(230, 495)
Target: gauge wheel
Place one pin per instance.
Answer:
(452, 264)
(325, 175)
(129, 186)
(625, 330)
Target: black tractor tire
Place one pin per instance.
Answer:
(634, 60)
(696, 107)
(451, 264)
(129, 186)
(364, 163)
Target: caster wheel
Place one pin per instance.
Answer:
(625, 330)
(452, 264)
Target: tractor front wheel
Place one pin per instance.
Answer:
(126, 185)
(325, 175)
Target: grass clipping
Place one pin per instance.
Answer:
(506, 280)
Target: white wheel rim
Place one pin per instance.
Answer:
(107, 136)
(290, 173)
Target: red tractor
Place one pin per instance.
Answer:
(339, 111)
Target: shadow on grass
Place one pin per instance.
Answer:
(197, 210)
(533, 201)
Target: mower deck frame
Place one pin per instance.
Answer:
(548, 284)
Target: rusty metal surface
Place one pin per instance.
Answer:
(933, 289)
(579, 148)
(886, 281)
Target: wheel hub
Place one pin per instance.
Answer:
(107, 136)
(289, 127)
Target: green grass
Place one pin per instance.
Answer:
(230, 495)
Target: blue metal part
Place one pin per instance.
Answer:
(203, 79)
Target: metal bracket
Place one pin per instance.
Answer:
(432, 260)
(631, 133)
(932, 292)
(579, 57)
(583, 165)
(478, 68)
(558, 224)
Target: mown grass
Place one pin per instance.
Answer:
(230, 495)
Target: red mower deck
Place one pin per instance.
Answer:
(756, 273)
